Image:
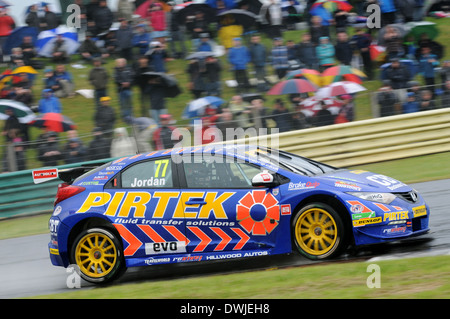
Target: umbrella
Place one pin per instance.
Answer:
(6, 76)
(54, 122)
(144, 122)
(312, 105)
(197, 107)
(209, 13)
(24, 69)
(141, 9)
(411, 65)
(4, 4)
(199, 55)
(392, 30)
(46, 39)
(323, 13)
(333, 5)
(308, 74)
(339, 88)
(229, 4)
(254, 6)
(168, 82)
(241, 17)
(342, 72)
(21, 111)
(377, 52)
(416, 29)
(292, 86)
(15, 38)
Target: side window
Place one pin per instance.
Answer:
(219, 173)
(149, 174)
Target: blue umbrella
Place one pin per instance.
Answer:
(229, 4)
(323, 13)
(46, 39)
(197, 107)
(412, 66)
(14, 40)
(4, 4)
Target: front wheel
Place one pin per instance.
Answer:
(98, 254)
(318, 231)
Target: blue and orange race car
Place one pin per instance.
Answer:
(219, 202)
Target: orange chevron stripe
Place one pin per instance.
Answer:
(176, 234)
(382, 207)
(243, 236)
(204, 239)
(150, 232)
(133, 242)
(225, 238)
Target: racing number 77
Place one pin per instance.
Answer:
(164, 162)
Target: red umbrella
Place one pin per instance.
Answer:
(339, 88)
(292, 86)
(311, 105)
(54, 122)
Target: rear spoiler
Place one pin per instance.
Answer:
(67, 175)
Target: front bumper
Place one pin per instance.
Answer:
(377, 223)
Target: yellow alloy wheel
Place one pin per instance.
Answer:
(316, 231)
(96, 255)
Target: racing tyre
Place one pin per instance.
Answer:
(318, 231)
(98, 254)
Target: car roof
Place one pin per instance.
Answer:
(245, 152)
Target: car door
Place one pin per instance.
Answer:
(224, 212)
(144, 205)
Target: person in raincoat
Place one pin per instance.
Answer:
(325, 53)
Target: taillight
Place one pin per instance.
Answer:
(65, 191)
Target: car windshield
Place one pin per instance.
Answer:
(295, 163)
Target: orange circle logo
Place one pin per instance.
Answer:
(258, 212)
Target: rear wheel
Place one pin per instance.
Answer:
(318, 231)
(98, 254)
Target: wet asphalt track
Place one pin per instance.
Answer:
(25, 268)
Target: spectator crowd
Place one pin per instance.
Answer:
(142, 48)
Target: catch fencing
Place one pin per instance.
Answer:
(340, 145)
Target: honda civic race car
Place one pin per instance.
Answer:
(220, 202)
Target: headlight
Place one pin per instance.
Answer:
(385, 198)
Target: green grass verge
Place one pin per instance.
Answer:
(405, 278)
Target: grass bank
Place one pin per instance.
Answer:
(416, 278)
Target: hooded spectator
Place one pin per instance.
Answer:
(49, 103)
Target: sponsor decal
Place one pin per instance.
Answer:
(366, 221)
(286, 209)
(363, 215)
(44, 175)
(148, 182)
(173, 247)
(393, 216)
(395, 230)
(152, 261)
(300, 185)
(114, 168)
(388, 182)
(258, 212)
(357, 207)
(343, 184)
(419, 211)
(100, 178)
(358, 171)
(134, 204)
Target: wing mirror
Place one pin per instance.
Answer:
(265, 179)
